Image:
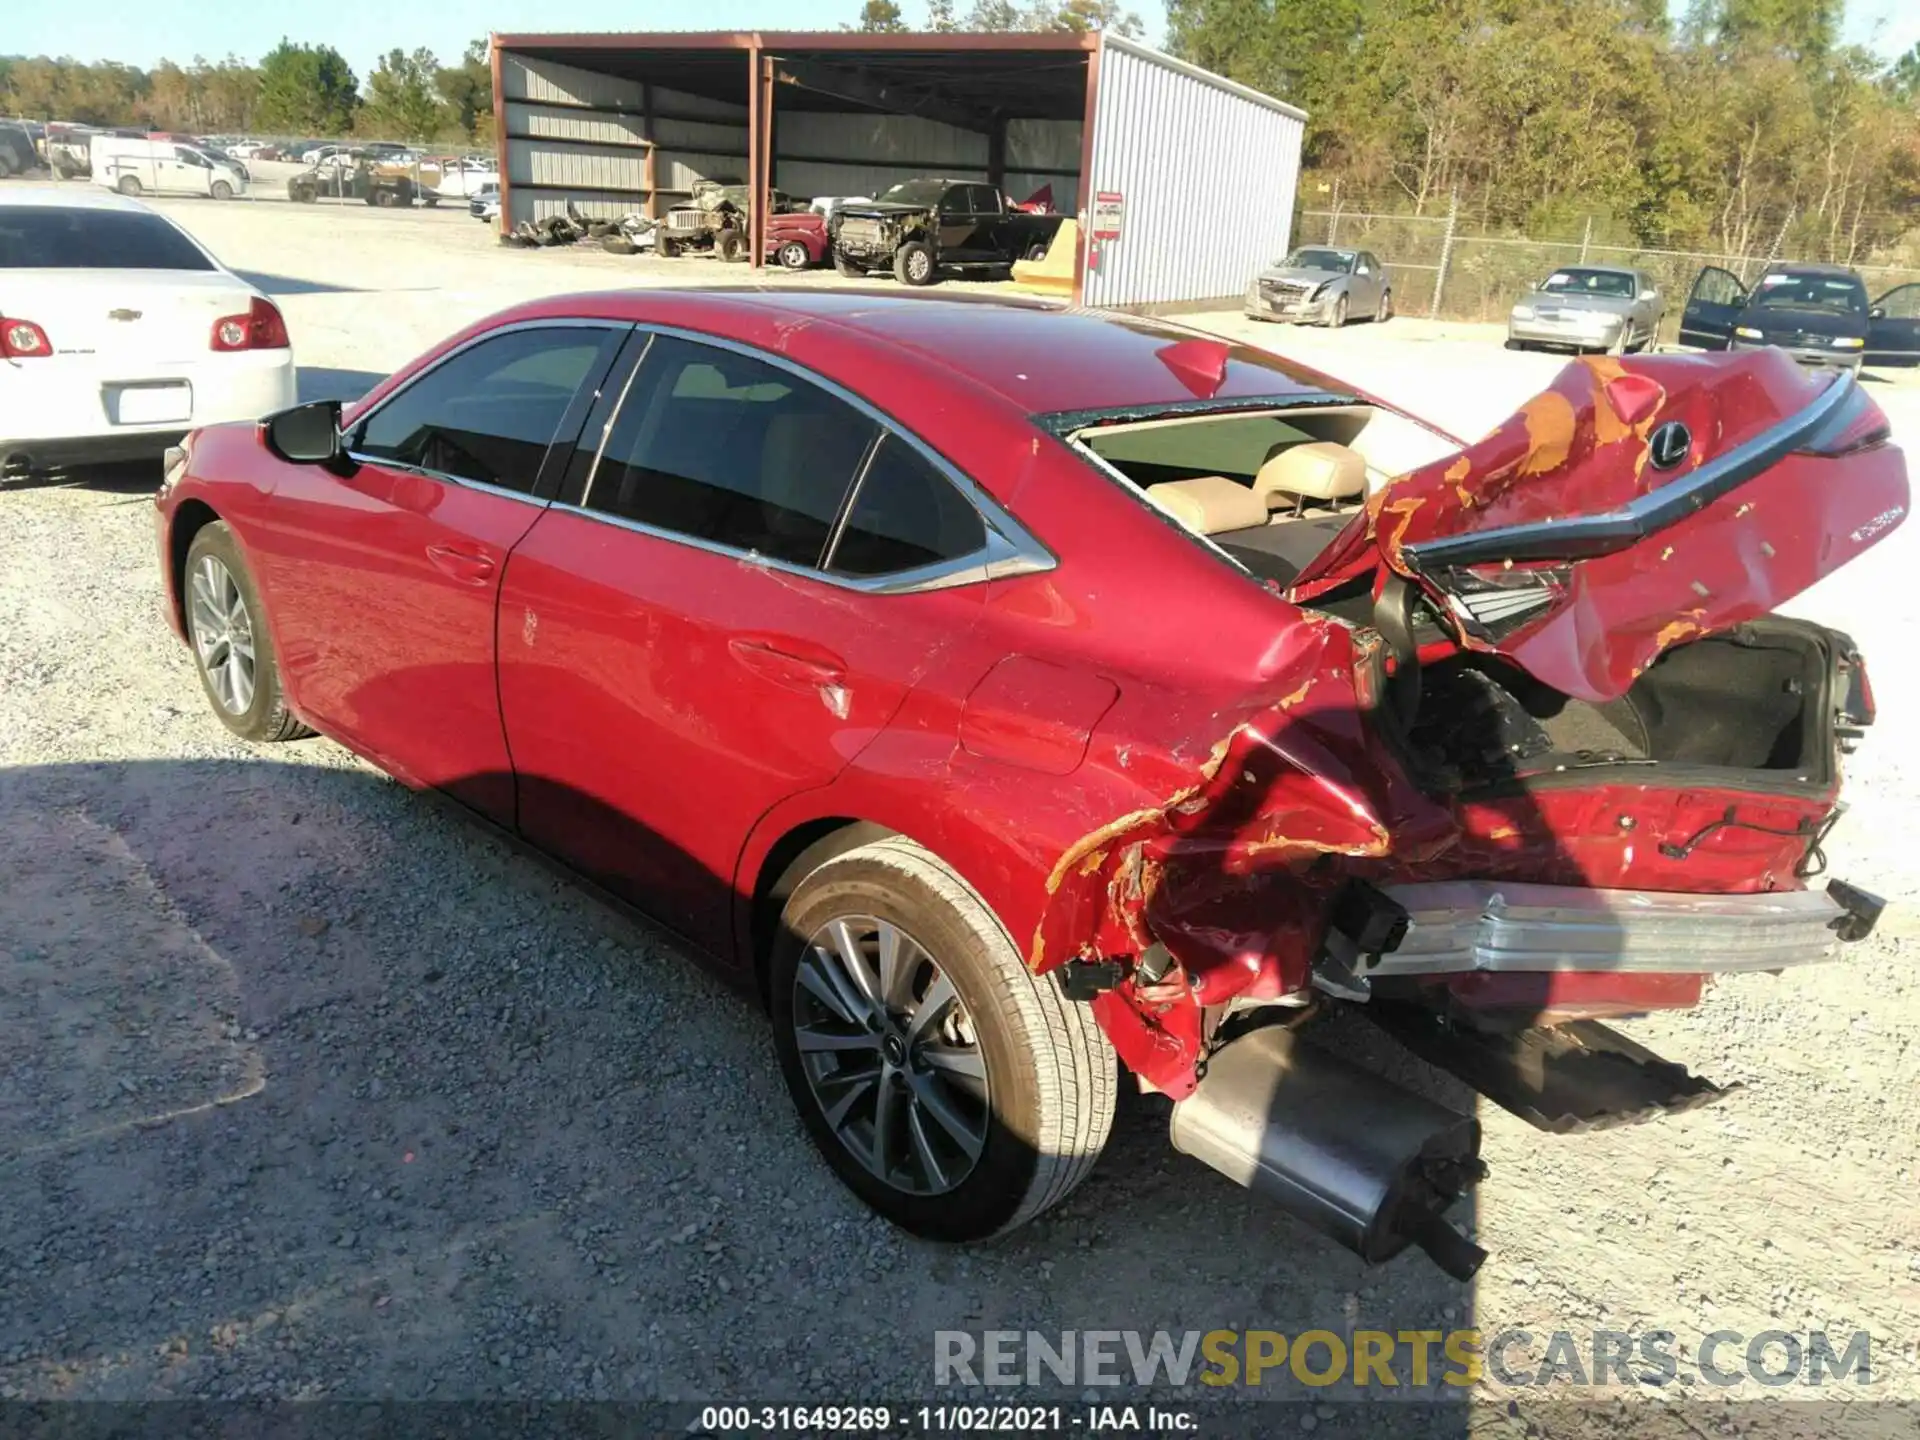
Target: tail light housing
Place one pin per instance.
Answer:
(261, 328)
(23, 340)
(1857, 423)
(1492, 602)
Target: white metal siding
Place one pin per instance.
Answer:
(522, 78)
(550, 122)
(1208, 171)
(823, 153)
(534, 203)
(575, 167)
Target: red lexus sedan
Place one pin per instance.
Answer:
(996, 690)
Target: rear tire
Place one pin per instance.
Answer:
(221, 190)
(255, 709)
(913, 264)
(385, 199)
(128, 185)
(1018, 1082)
(731, 246)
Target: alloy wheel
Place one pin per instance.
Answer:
(222, 632)
(919, 265)
(891, 1055)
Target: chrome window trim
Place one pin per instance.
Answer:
(543, 323)
(1584, 536)
(485, 487)
(1010, 548)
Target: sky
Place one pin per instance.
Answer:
(141, 32)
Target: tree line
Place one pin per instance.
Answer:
(1743, 125)
(295, 90)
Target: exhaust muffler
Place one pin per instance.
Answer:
(1352, 1154)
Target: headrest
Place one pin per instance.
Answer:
(1319, 470)
(1210, 504)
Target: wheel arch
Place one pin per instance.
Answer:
(190, 517)
(795, 854)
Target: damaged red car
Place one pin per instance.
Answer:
(997, 691)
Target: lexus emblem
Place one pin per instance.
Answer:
(1669, 445)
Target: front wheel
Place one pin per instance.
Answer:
(232, 648)
(793, 256)
(385, 199)
(731, 246)
(222, 190)
(666, 248)
(913, 263)
(1339, 315)
(847, 268)
(947, 1086)
(1385, 312)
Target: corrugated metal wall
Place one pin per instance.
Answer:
(1044, 152)
(581, 136)
(817, 153)
(1207, 170)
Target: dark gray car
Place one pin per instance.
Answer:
(1589, 307)
(1322, 285)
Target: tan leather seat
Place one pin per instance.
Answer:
(1317, 470)
(1209, 504)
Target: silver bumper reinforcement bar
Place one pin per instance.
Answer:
(1468, 925)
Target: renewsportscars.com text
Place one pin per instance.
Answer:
(1387, 1360)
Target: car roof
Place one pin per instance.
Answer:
(1814, 268)
(71, 197)
(1042, 358)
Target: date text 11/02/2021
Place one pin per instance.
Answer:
(944, 1419)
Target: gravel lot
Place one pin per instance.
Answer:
(308, 1087)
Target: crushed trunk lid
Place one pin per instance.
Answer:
(1630, 507)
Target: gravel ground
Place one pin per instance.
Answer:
(310, 1088)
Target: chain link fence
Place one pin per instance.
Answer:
(1444, 267)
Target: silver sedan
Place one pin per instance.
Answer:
(1589, 307)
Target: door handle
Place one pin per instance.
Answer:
(467, 566)
(788, 667)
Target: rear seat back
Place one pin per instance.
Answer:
(1209, 504)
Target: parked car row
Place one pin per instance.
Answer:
(1818, 314)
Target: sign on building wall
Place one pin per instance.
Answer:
(1109, 209)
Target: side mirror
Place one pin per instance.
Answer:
(1878, 312)
(1649, 294)
(307, 434)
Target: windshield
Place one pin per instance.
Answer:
(55, 239)
(915, 192)
(1340, 261)
(1841, 294)
(1590, 282)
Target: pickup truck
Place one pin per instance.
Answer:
(921, 227)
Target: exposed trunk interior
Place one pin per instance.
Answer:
(1754, 699)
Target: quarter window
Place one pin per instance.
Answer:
(906, 515)
(724, 448)
(489, 413)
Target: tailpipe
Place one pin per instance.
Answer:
(1352, 1154)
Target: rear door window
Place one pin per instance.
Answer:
(728, 450)
(906, 515)
(52, 238)
(488, 413)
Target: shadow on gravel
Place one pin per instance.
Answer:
(317, 1089)
(291, 285)
(321, 382)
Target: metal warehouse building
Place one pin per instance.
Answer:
(1183, 181)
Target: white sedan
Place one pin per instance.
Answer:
(119, 333)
